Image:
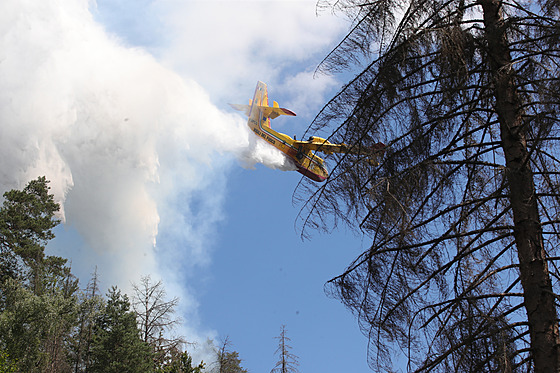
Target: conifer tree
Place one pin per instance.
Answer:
(37, 292)
(117, 346)
(463, 211)
(26, 222)
(287, 361)
(227, 361)
(91, 306)
(181, 362)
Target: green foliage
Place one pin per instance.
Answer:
(48, 325)
(227, 361)
(37, 303)
(7, 365)
(117, 346)
(33, 327)
(26, 223)
(231, 363)
(90, 306)
(181, 363)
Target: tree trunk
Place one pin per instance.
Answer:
(533, 267)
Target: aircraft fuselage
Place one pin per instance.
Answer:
(306, 161)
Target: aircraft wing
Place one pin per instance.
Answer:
(322, 146)
(325, 146)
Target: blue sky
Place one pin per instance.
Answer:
(123, 106)
(263, 276)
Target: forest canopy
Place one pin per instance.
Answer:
(49, 324)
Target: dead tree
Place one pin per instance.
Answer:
(156, 317)
(287, 361)
(464, 210)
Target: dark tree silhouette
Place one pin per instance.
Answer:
(287, 361)
(463, 211)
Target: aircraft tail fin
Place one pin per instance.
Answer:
(260, 103)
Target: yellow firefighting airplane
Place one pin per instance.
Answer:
(299, 152)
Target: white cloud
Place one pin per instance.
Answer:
(307, 91)
(228, 45)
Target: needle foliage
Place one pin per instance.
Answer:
(463, 211)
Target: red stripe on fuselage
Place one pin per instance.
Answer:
(312, 175)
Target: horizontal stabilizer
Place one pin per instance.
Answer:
(268, 112)
(275, 112)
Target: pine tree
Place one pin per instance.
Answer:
(287, 362)
(227, 361)
(181, 362)
(26, 223)
(37, 292)
(91, 306)
(117, 346)
(463, 211)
